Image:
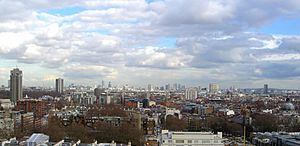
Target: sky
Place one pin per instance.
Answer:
(241, 43)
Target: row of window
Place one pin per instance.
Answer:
(192, 141)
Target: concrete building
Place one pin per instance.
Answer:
(150, 88)
(278, 139)
(214, 88)
(6, 104)
(37, 139)
(16, 89)
(59, 85)
(26, 122)
(173, 112)
(87, 100)
(266, 89)
(191, 93)
(191, 138)
(102, 96)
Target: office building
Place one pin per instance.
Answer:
(16, 89)
(59, 85)
(266, 90)
(102, 84)
(278, 139)
(168, 87)
(191, 138)
(150, 88)
(191, 93)
(109, 84)
(214, 88)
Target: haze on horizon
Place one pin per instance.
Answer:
(232, 42)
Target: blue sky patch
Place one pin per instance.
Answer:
(66, 11)
(282, 26)
(168, 42)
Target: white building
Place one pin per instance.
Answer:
(150, 88)
(191, 93)
(87, 100)
(169, 138)
(173, 112)
(214, 88)
(6, 104)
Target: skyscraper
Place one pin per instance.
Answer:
(150, 87)
(109, 84)
(59, 85)
(102, 84)
(214, 88)
(16, 89)
(266, 90)
(191, 93)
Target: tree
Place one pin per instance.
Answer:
(175, 124)
(112, 110)
(77, 132)
(264, 123)
(54, 129)
(105, 132)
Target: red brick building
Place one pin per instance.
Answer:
(38, 107)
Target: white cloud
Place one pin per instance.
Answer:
(281, 57)
(213, 38)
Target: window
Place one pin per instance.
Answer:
(179, 141)
(205, 141)
(190, 141)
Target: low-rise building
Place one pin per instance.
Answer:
(274, 138)
(191, 138)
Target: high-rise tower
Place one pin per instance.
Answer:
(59, 85)
(16, 90)
(266, 89)
(214, 88)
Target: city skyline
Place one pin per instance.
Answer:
(141, 42)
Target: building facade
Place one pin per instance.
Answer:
(36, 106)
(59, 85)
(191, 93)
(191, 138)
(266, 89)
(16, 89)
(214, 88)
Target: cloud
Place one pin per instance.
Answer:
(280, 70)
(157, 58)
(291, 43)
(90, 72)
(216, 40)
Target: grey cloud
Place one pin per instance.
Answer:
(278, 70)
(291, 43)
(212, 52)
(231, 14)
(89, 72)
